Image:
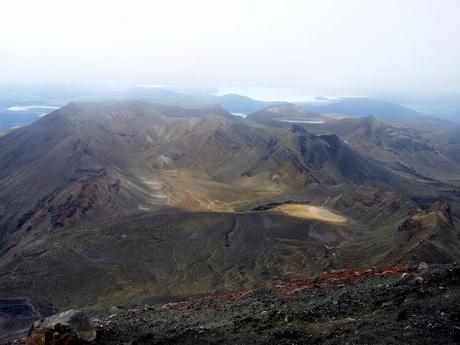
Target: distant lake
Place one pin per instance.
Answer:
(300, 121)
(240, 114)
(15, 116)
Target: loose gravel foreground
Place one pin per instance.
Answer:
(384, 306)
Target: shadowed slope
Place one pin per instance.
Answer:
(92, 190)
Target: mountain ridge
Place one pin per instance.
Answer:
(91, 190)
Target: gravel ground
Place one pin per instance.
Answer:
(419, 307)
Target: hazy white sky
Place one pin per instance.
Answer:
(316, 46)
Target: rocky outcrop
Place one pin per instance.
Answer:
(443, 209)
(428, 235)
(71, 327)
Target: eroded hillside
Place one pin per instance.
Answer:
(126, 202)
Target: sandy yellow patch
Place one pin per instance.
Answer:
(309, 212)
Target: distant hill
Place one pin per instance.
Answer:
(367, 107)
(233, 103)
(424, 147)
(445, 106)
(286, 112)
(91, 190)
(241, 104)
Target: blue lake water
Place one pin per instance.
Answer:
(300, 121)
(20, 115)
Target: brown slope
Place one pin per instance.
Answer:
(407, 151)
(102, 159)
(93, 190)
(428, 235)
(443, 135)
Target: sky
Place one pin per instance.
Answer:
(327, 47)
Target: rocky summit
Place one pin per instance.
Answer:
(391, 305)
(383, 306)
